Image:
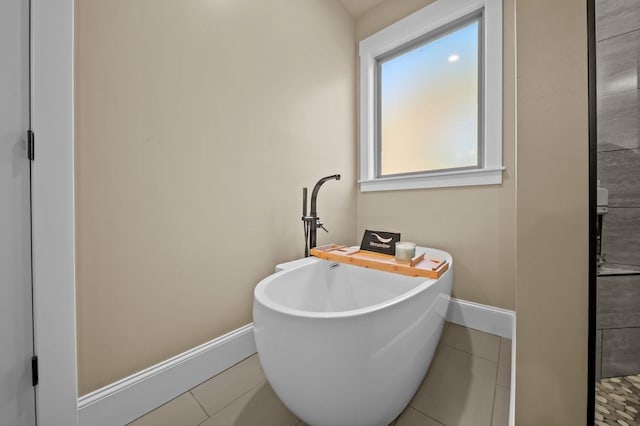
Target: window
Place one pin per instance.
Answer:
(431, 99)
(427, 101)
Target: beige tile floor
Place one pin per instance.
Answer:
(467, 384)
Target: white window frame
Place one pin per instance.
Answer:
(414, 26)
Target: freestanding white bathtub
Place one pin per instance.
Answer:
(344, 345)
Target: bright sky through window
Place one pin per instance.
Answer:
(429, 105)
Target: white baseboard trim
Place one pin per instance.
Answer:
(125, 400)
(482, 317)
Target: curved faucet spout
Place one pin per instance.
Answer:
(312, 222)
(316, 188)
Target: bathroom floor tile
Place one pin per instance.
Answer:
(504, 363)
(258, 407)
(182, 411)
(501, 407)
(459, 389)
(412, 417)
(219, 391)
(472, 341)
(618, 400)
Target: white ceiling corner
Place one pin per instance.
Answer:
(357, 8)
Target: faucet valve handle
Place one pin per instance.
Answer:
(321, 225)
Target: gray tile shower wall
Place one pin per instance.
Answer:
(618, 326)
(619, 172)
(617, 59)
(621, 236)
(614, 17)
(618, 121)
(620, 352)
(618, 302)
(618, 297)
(598, 354)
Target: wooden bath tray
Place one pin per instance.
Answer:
(418, 267)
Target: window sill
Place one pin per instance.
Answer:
(486, 176)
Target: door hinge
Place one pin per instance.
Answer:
(34, 371)
(30, 145)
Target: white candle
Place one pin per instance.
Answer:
(405, 251)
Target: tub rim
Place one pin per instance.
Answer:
(259, 295)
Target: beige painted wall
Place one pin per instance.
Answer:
(197, 125)
(475, 224)
(540, 212)
(552, 213)
(199, 122)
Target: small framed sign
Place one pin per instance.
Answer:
(380, 242)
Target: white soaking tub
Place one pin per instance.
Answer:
(343, 345)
